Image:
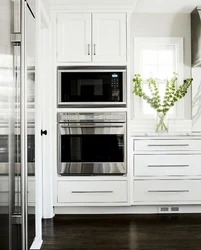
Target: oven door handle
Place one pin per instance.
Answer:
(92, 126)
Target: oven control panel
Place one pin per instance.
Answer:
(99, 117)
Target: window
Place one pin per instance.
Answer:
(158, 58)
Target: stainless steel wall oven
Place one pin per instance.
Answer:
(92, 86)
(92, 143)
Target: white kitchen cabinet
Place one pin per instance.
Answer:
(167, 145)
(180, 191)
(109, 37)
(166, 170)
(86, 37)
(167, 165)
(92, 192)
(74, 37)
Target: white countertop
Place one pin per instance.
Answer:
(172, 134)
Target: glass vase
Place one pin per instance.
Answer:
(161, 125)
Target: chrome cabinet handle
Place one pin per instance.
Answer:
(91, 192)
(94, 49)
(88, 49)
(168, 191)
(168, 166)
(168, 145)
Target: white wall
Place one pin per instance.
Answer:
(196, 99)
(46, 4)
(165, 25)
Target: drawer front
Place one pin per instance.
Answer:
(167, 190)
(92, 191)
(167, 145)
(167, 165)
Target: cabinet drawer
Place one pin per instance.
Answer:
(167, 145)
(167, 190)
(164, 165)
(92, 191)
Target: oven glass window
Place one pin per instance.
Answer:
(92, 148)
(91, 87)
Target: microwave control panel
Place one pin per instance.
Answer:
(115, 88)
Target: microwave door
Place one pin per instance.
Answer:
(98, 88)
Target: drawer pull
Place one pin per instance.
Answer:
(168, 191)
(168, 145)
(167, 166)
(91, 192)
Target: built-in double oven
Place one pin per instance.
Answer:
(92, 86)
(92, 143)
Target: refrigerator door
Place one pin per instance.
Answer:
(30, 56)
(17, 70)
(7, 118)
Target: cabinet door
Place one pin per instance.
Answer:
(109, 37)
(74, 37)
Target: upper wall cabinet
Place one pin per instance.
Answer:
(74, 38)
(98, 37)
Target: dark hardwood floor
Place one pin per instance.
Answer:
(122, 232)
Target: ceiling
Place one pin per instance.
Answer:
(137, 6)
(166, 6)
(110, 5)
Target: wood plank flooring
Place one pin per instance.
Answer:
(122, 232)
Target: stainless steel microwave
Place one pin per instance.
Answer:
(92, 86)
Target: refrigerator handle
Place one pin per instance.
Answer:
(23, 132)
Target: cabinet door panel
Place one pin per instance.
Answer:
(167, 145)
(181, 191)
(92, 191)
(109, 37)
(74, 37)
(167, 165)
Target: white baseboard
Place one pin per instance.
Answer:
(37, 244)
(138, 209)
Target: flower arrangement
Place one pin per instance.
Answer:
(171, 96)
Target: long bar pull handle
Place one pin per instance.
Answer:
(23, 128)
(168, 191)
(116, 126)
(88, 49)
(91, 192)
(167, 166)
(94, 49)
(168, 145)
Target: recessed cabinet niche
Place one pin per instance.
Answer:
(87, 37)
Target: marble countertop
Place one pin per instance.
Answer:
(154, 134)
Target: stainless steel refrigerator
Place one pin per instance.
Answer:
(17, 136)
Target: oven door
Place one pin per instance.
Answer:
(92, 149)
